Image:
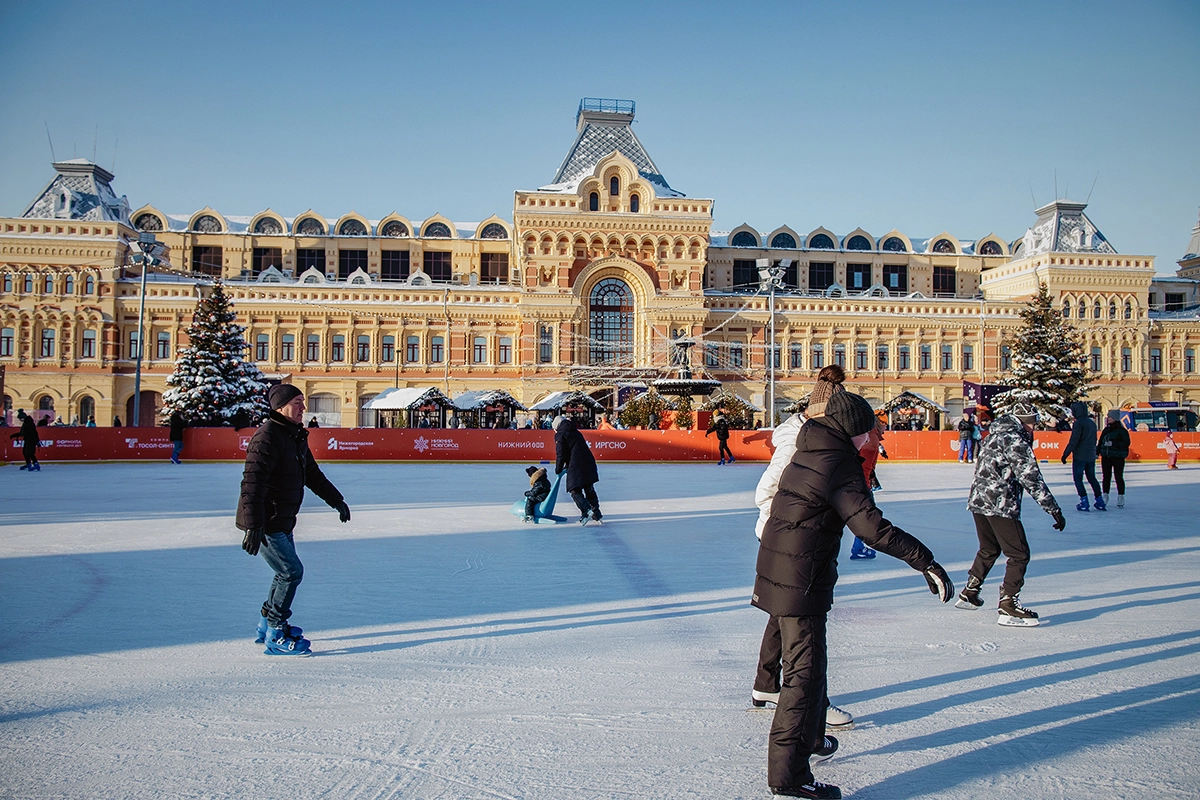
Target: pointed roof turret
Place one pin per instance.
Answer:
(605, 126)
(81, 190)
(1062, 227)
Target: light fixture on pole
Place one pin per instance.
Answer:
(771, 278)
(150, 250)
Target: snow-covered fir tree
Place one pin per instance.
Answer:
(1048, 367)
(213, 384)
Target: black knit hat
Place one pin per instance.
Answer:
(281, 394)
(850, 413)
(530, 470)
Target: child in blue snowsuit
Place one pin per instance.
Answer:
(539, 490)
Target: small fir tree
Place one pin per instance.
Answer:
(636, 413)
(1049, 369)
(683, 413)
(213, 384)
(738, 413)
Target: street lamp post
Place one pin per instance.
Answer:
(151, 249)
(771, 277)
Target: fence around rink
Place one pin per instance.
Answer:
(435, 444)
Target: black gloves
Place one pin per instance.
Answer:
(1064, 458)
(939, 582)
(343, 511)
(253, 540)
(1060, 521)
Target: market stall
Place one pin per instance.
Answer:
(411, 407)
(491, 408)
(910, 411)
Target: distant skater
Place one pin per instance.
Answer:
(573, 456)
(720, 426)
(177, 424)
(28, 434)
(539, 490)
(1172, 448)
(1082, 446)
(1114, 449)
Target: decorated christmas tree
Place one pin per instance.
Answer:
(213, 384)
(1048, 367)
(683, 413)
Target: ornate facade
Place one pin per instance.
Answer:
(599, 271)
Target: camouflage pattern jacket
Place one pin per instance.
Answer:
(1006, 468)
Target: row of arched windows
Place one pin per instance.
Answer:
(822, 241)
(46, 283)
(313, 226)
(1080, 309)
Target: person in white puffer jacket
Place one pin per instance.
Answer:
(770, 654)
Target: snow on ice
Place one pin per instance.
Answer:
(461, 654)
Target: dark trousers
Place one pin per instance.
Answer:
(585, 498)
(1081, 468)
(770, 657)
(30, 453)
(798, 729)
(1001, 535)
(723, 449)
(1113, 467)
(279, 550)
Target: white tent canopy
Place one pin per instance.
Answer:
(556, 400)
(480, 398)
(408, 398)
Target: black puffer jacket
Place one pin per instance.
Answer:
(719, 426)
(278, 467)
(820, 492)
(1083, 434)
(573, 454)
(1114, 441)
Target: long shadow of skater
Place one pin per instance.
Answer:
(1067, 728)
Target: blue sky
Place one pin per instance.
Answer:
(923, 117)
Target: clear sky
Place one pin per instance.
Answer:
(925, 117)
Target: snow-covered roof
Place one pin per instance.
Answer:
(908, 397)
(80, 190)
(474, 400)
(1062, 227)
(1193, 247)
(721, 396)
(605, 127)
(410, 397)
(556, 400)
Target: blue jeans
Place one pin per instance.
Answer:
(279, 549)
(966, 449)
(178, 448)
(1078, 470)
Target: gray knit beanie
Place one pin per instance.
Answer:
(850, 413)
(819, 399)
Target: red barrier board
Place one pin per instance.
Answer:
(435, 444)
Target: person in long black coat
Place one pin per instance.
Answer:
(278, 467)
(29, 441)
(176, 423)
(820, 492)
(571, 453)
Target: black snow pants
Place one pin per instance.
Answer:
(798, 729)
(770, 658)
(585, 498)
(1001, 535)
(1113, 467)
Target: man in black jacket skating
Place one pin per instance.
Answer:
(29, 440)
(572, 454)
(278, 467)
(820, 492)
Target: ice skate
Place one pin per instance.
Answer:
(583, 520)
(597, 517)
(1120, 501)
(175, 459)
(760, 699)
(1100, 504)
(527, 519)
(816, 790)
(1083, 505)
(721, 463)
(837, 719)
(865, 553)
(1013, 614)
(280, 644)
(732, 459)
(968, 598)
(261, 632)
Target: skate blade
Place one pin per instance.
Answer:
(965, 606)
(1017, 622)
(849, 726)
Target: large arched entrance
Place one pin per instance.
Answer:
(610, 317)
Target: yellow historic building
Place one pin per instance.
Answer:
(598, 273)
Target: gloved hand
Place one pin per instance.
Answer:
(939, 582)
(253, 540)
(1060, 521)
(1064, 459)
(343, 511)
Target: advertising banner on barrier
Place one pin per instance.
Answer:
(436, 444)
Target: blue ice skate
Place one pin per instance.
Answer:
(280, 644)
(543, 512)
(1083, 505)
(1100, 504)
(261, 633)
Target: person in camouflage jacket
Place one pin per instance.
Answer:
(1005, 469)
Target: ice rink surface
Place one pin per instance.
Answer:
(462, 654)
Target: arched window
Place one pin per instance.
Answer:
(744, 239)
(268, 226)
(69, 287)
(1066, 309)
(943, 246)
(635, 203)
(87, 408)
(493, 230)
(310, 227)
(1082, 309)
(593, 202)
(990, 249)
(207, 224)
(437, 230)
(148, 222)
(614, 186)
(1112, 310)
(1128, 310)
(784, 241)
(894, 244)
(820, 242)
(1096, 310)
(395, 229)
(352, 227)
(45, 403)
(858, 243)
(89, 284)
(610, 312)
